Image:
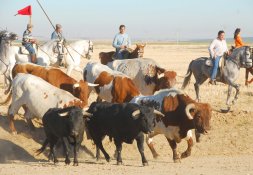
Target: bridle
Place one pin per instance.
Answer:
(90, 49)
(237, 63)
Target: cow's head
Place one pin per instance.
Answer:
(166, 80)
(146, 118)
(140, 50)
(81, 91)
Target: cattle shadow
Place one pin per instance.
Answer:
(37, 135)
(12, 152)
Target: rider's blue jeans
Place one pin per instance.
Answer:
(215, 67)
(30, 48)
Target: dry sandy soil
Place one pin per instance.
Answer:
(227, 149)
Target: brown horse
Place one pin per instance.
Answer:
(138, 52)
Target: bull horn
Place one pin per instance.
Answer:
(187, 110)
(136, 114)
(161, 75)
(92, 84)
(158, 113)
(86, 114)
(76, 85)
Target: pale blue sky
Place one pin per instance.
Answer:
(145, 19)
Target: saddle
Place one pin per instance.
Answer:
(23, 51)
(209, 62)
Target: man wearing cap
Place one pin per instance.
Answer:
(57, 34)
(28, 42)
(58, 37)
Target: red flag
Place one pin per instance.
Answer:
(25, 11)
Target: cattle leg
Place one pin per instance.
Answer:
(11, 124)
(76, 150)
(118, 151)
(140, 141)
(100, 146)
(66, 149)
(28, 115)
(187, 153)
(52, 156)
(97, 153)
(173, 146)
(150, 144)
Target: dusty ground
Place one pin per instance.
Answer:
(227, 149)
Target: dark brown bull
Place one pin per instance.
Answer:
(138, 52)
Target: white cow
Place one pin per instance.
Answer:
(181, 115)
(146, 74)
(37, 96)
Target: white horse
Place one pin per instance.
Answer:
(46, 56)
(5, 53)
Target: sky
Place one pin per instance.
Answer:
(144, 19)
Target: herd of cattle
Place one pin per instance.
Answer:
(139, 98)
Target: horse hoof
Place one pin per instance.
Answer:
(145, 163)
(177, 160)
(119, 163)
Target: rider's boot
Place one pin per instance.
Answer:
(34, 58)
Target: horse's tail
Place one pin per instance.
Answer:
(188, 76)
(7, 100)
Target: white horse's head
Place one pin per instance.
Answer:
(83, 47)
(8, 37)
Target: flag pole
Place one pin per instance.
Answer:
(30, 19)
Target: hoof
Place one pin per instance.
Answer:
(14, 133)
(185, 154)
(155, 156)
(56, 161)
(177, 160)
(145, 163)
(75, 164)
(119, 163)
(108, 159)
(67, 161)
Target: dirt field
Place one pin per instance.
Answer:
(227, 149)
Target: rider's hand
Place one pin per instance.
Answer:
(122, 47)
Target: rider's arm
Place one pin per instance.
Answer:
(115, 42)
(211, 49)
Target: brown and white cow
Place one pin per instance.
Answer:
(57, 78)
(181, 115)
(146, 74)
(113, 86)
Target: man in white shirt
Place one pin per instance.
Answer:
(217, 48)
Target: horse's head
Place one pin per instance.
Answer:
(90, 50)
(7, 36)
(140, 50)
(243, 56)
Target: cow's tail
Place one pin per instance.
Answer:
(39, 151)
(7, 100)
(188, 76)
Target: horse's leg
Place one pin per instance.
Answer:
(251, 72)
(246, 76)
(229, 94)
(199, 82)
(237, 88)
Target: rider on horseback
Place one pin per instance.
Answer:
(58, 37)
(217, 49)
(121, 42)
(28, 42)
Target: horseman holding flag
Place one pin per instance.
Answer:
(28, 42)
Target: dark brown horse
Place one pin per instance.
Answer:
(138, 52)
